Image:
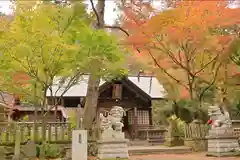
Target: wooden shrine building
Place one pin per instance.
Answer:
(135, 94)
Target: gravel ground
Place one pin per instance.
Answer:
(195, 156)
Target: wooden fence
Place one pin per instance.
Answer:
(195, 136)
(195, 131)
(199, 131)
(51, 132)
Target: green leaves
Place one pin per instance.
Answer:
(45, 41)
(235, 50)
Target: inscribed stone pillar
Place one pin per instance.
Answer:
(79, 145)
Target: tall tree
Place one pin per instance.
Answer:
(47, 41)
(39, 45)
(90, 107)
(107, 63)
(181, 46)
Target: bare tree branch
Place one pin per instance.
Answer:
(207, 64)
(117, 27)
(95, 12)
(211, 83)
(160, 67)
(72, 81)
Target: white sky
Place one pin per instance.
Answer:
(110, 15)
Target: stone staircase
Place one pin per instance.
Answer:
(138, 143)
(140, 147)
(148, 150)
(6, 153)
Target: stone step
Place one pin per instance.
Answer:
(138, 143)
(158, 149)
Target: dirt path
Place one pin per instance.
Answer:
(195, 156)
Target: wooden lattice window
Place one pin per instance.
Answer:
(143, 117)
(130, 117)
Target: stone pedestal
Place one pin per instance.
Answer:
(222, 142)
(108, 149)
(112, 145)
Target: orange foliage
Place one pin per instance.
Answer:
(21, 78)
(180, 38)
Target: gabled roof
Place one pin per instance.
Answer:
(150, 85)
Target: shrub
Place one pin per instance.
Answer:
(179, 124)
(49, 150)
(73, 120)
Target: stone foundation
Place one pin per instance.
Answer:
(197, 145)
(173, 141)
(112, 149)
(222, 142)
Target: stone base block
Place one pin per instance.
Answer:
(223, 146)
(173, 141)
(224, 154)
(197, 145)
(112, 149)
(221, 131)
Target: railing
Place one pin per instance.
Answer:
(52, 132)
(199, 131)
(149, 132)
(194, 136)
(195, 131)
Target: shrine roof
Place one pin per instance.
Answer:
(148, 84)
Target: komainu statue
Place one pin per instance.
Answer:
(116, 114)
(112, 123)
(104, 123)
(220, 118)
(112, 143)
(221, 138)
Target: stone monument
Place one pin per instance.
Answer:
(221, 139)
(79, 144)
(2, 128)
(112, 143)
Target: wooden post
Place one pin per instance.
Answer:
(62, 102)
(17, 145)
(150, 117)
(147, 135)
(135, 122)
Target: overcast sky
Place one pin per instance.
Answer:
(110, 15)
(109, 18)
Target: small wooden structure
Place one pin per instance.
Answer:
(154, 135)
(134, 94)
(5, 112)
(20, 111)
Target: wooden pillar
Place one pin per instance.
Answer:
(150, 116)
(135, 122)
(62, 102)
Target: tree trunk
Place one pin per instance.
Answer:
(91, 103)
